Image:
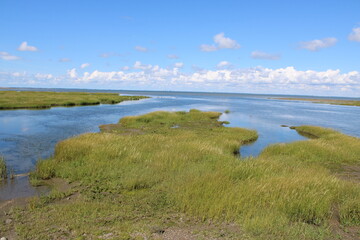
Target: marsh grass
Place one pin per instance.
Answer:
(143, 171)
(3, 169)
(38, 100)
(326, 101)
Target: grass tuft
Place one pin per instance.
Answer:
(3, 169)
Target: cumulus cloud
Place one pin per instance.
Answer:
(8, 57)
(173, 56)
(355, 35)
(317, 44)
(264, 55)
(141, 49)
(64, 60)
(221, 42)
(224, 42)
(25, 47)
(125, 68)
(72, 73)
(84, 65)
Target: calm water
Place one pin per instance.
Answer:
(28, 135)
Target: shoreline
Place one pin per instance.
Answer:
(324, 101)
(14, 100)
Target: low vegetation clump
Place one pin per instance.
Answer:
(326, 101)
(3, 169)
(167, 172)
(28, 99)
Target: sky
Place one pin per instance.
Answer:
(259, 46)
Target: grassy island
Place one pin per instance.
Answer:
(38, 100)
(325, 101)
(176, 175)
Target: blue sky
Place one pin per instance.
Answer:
(288, 47)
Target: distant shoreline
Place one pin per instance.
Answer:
(146, 92)
(11, 100)
(325, 101)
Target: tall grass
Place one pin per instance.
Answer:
(3, 169)
(288, 192)
(29, 99)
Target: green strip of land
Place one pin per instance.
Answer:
(38, 100)
(176, 175)
(325, 101)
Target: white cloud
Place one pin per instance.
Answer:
(72, 73)
(64, 60)
(125, 68)
(25, 47)
(221, 42)
(141, 49)
(173, 56)
(250, 79)
(317, 44)
(139, 65)
(355, 35)
(6, 56)
(84, 65)
(179, 65)
(256, 80)
(223, 64)
(264, 55)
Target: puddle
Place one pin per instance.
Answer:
(20, 187)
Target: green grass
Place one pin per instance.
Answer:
(3, 169)
(36, 100)
(152, 170)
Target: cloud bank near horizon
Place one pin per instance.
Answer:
(286, 80)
